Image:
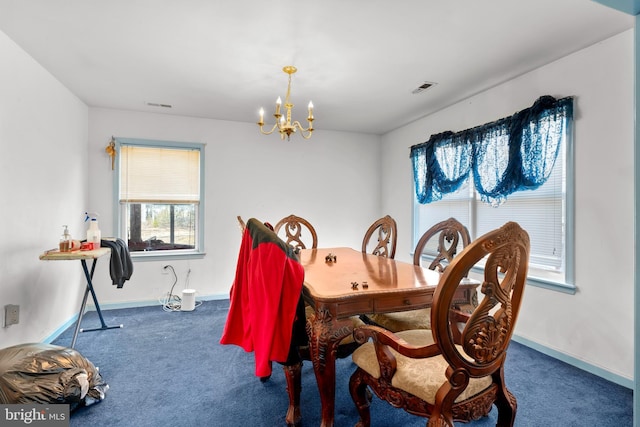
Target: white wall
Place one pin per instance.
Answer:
(43, 176)
(332, 180)
(595, 325)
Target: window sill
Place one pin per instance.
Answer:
(166, 255)
(539, 282)
(554, 286)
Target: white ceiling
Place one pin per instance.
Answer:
(358, 60)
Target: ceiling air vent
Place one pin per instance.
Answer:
(155, 104)
(422, 87)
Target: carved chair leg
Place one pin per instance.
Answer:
(439, 421)
(361, 397)
(505, 402)
(507, 406)
(294, 384)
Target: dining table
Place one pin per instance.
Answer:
(342, 282)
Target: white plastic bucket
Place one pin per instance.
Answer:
(188, 300)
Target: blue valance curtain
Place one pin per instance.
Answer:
(511, 154)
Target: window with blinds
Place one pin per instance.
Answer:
(160, 196)
(543, 212)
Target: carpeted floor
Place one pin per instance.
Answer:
(168, 369)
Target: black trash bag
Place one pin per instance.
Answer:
(46, 373)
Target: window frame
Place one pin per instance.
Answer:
(119, 209)
(563, 284)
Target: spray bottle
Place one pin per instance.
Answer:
(93, 232)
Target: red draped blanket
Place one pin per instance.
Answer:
(264, 296)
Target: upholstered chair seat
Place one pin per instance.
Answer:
(403, 320)
(420, 377)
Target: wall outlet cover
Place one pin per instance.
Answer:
(11, 315)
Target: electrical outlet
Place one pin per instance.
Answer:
(11, 315)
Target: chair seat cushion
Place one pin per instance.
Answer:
(404, 320)
(420, 377)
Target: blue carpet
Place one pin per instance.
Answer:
(168, 369)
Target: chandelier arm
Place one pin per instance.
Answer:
(302, 130)
(297, 125)
(268, 132)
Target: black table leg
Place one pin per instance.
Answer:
(89, 277)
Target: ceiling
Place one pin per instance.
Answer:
(357, 60)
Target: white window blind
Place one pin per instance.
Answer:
(541, 212)
(159, 175)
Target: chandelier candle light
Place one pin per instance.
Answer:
(284, 124)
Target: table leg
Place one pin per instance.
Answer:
(80, 314)
(89, 289)
(325, 333)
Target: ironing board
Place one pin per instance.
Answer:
(83, 256)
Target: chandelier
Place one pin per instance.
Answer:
(283, 124)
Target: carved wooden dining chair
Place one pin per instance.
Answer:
(296, 231)
(241, 224)
(385, 231)
(454, 371)
(267, 313)
(299, 348)
(452, 237)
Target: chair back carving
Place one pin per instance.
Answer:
(297, 230)
(487, 332)
(385, 230)
(455, 371)
(452, 236)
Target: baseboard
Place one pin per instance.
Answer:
(580, 364)
(117, 305)
(55, 334)
(148, 303)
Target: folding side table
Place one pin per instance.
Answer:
(83, 256)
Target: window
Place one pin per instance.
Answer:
(159, 197)
(544, 210)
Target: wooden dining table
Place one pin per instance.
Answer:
(342, 282)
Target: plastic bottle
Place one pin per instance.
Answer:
(65, 240)
(93, 232)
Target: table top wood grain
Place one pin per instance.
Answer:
(55, 254)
